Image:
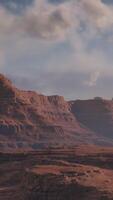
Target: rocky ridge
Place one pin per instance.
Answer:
(30, 120)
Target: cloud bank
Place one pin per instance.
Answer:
(59, 39)
(47, 20)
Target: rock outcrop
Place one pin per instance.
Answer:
(96, 114)
(82, 173)
(32, 120)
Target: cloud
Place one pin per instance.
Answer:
(2, 58)
(49, 21)
(93, 79)
(48, 24)
(55, 40)
(41, 20)
(97, 14)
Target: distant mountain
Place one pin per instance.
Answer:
(29, 120)
(95, 114)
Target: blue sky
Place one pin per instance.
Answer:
(58, 46)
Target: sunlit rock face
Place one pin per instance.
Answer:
(34, 120)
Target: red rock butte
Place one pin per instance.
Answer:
(31, 120)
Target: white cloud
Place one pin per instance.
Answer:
(48, 21)
(93, 79)
(42, 20)
(77, 23)
(97, 13)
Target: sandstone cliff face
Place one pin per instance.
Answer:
(32, 120)
(96, 115)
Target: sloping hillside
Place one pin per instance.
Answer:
(96, 115)
(29, 120)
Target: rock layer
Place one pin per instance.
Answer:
(97, 115)
(32, 120)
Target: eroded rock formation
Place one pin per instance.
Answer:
(32, 120)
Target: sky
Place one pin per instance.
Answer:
(62, 47)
